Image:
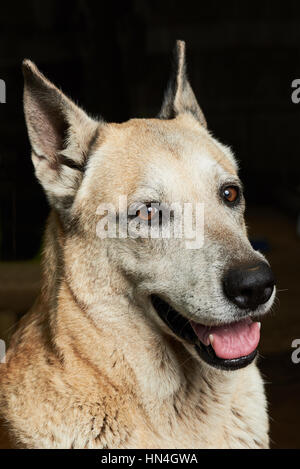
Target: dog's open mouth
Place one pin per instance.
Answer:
(228, 347)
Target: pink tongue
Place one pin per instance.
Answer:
(232, 340)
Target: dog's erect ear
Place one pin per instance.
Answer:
(60, 134)
(179, 97)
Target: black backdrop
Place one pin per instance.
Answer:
(113, 58)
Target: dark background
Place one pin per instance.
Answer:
(114, 58)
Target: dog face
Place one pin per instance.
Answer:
(207, 296)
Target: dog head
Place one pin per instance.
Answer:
(207, 294)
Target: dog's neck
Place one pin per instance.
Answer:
(117, 337)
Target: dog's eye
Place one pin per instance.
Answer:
(147, 212)
(230, 194)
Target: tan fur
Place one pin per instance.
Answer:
(91, 366)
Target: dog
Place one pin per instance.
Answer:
(137, 342)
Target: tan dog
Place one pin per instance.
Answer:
(137, 342)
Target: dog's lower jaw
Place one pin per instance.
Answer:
(185, 331)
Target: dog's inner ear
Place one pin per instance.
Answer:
(61, 135)
(179, 97)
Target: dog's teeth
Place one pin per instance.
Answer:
(211, 338)
(259, 325)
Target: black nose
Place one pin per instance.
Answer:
(249, 286)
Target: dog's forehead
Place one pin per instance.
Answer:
(158, 152)
(183, 138)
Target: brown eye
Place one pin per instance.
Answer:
(231, 194)
(146, 213)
